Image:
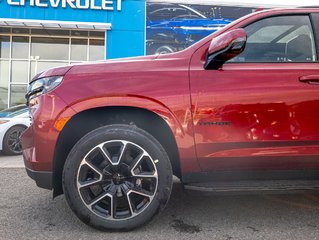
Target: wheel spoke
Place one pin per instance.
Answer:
(114, 207)
(100, 198)
(14, 142)
(122, 153)
(141, 192)
(16, 146)
(146, 175)
(95, 169)
(89, 183)
(12, 138)
(105, 154)
(136, 162)
(109, 158)
(129, 203)
(107, 171)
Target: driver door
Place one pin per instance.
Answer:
(261, 110)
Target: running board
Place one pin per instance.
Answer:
(256, 186)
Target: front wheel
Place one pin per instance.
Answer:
(165, 49)
(117, 177)
(12, 141)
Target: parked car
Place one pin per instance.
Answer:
(173, 27)
(12, 110)
(236, 112)
(13, 121)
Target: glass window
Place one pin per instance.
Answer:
(50, 48)
(20, 30)
(39, 32)
(14, 111)
(20, 61)
(50, 32)
(4, 80)
(19, 71)
(79, 49)
(269, 33)
(167, 12)
(97, 34)
(80, 33)
(20, 47)
(97, 50)
(5, 30)
(279, 39)
(53, 32)
(18, 94)
(4, 47)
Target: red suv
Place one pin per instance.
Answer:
(238, 111)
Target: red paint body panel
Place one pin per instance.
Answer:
(40, 138)
(160, 85)
(260, 104)
(265, 104)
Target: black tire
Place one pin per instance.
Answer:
(165, 49)
(156, 162)
(12, 141)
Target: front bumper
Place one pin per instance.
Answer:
(42, 179)
(39, 140)
(33, 165)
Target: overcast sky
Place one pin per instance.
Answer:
(253, 3)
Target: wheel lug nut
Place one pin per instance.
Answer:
(139, 182)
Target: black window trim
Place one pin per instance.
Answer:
(315, 29)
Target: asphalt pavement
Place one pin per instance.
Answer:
(11, 161)
(28, 212)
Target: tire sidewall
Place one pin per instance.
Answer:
(108, 133)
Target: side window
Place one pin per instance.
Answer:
(168, 13)
(279, 39)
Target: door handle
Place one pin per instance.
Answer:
(311, 79)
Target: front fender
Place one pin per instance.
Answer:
(181, 131)
(126, 101)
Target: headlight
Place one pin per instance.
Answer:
(43, 85)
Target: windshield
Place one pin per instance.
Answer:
(13, 111)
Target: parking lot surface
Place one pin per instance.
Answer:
(28, 212)
(11, 161)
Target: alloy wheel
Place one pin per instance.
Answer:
(14, 141)
(117, 180)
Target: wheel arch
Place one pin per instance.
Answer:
(159, 126)
(17, 125)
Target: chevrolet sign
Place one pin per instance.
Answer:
(107, 5)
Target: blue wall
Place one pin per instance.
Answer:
(125, 39)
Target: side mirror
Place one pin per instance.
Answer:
(225, 47)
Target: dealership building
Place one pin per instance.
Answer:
(39, 34)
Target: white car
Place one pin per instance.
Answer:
(13, 121)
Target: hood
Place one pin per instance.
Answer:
(128, 59)
(116, 61)
(61, 71)
(58, 71)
